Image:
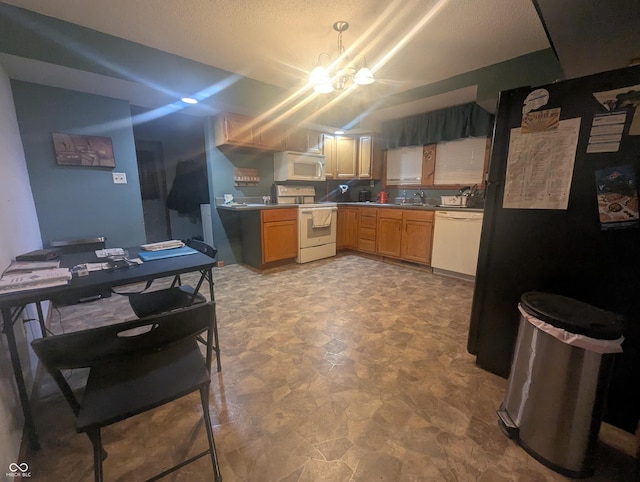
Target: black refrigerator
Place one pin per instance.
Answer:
(561, 216)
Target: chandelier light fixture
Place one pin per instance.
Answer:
(344, 71)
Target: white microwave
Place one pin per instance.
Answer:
(298, 166)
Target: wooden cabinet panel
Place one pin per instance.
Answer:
(296, 140)
(329, 151)
(351, 157)
(390, 232)
(300, 139)
(346, 151)
(416, 241)
(279, 241)
(272, 136)
(369, 158)
(271, 215)
(314, 141)
(238, 129)
(367, 245)
(370, 222)
(243, 131)
(340, 156)
(279, 229)
(347, 234)
(367, 229)
(365, 149)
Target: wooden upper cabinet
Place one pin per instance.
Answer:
(369, 158)
(272, 136)
(346, 151)
(297, 140)
(314, 141)
(329, 151)
(352, 157)
(234, 128)
(301, 139)
(244, 131)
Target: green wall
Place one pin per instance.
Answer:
(72, 201)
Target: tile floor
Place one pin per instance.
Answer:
(345, 369)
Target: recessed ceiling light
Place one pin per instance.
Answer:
(189, 100)
(339, 132)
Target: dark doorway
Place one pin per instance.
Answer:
(153, 190)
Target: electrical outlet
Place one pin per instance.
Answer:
(119, 177)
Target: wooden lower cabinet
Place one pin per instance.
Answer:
(417, 236)
(347, 231)
(367, 229)
(404, 234)
(390, 232)
(268, 236)
(279, 229)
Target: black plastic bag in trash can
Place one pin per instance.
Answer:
(559, 377)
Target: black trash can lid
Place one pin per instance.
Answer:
(572, 315)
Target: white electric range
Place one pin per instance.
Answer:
(317, 222)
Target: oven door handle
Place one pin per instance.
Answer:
(309, 211)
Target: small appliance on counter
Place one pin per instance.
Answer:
(383, 197)
(364, 196)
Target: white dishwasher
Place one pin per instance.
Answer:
(456, 242)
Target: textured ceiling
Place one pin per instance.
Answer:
(604, 36)
(407, 43)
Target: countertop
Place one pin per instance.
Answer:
(240, 207)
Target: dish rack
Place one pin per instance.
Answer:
(460, 201)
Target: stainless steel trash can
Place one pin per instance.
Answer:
(559, 377)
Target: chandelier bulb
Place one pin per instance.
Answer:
(322, 80)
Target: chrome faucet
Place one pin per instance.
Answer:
(422, 197)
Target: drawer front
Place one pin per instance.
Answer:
(391, 213)
(271, 215)
(369, 212)
(367, 233)
(368, 222)
(367, 245)
(411, 215)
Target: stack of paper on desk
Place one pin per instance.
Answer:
(28, 266)
(174, 243)
(42, 278)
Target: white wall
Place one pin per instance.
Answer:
(19, 233)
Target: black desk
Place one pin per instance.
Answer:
(12, 304)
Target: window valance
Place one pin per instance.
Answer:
(467, 120)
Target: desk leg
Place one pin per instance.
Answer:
(17, 372)
(43, 326)
(215, 325)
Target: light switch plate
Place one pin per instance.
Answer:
(119, 177)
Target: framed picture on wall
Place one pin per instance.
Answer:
(87, 151)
